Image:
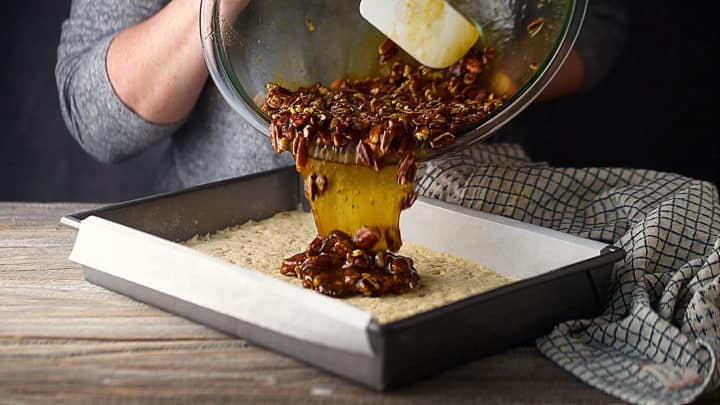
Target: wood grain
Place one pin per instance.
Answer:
(63, 339)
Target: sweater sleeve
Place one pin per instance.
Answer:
(101, 123)
(602, 37)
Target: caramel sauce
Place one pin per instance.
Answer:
(357, 196)
(364, 202)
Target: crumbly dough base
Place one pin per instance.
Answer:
(261, 246)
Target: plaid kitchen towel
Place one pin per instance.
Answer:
(658, 340)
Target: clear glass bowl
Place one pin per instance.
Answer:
(248, 43)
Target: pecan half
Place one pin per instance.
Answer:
(289, 264)
(301, 152)
(365, 238)
(441, 140)
(367, 157)
(407, 169)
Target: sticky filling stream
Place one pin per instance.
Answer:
(356, 145)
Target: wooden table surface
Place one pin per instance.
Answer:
(63, 339)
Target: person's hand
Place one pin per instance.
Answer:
(157, 67)
(568, 80)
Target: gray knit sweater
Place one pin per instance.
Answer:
(213, 142)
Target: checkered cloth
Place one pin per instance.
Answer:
(658, 339)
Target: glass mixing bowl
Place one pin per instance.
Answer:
(248, 43)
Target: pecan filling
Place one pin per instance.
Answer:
(385, 119)
(340, 266)
(383, 124)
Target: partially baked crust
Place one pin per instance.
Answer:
(262, 245)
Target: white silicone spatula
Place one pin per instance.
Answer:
(431, 31)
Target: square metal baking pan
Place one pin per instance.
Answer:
(131, 248)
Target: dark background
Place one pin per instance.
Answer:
(653, 111)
